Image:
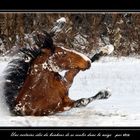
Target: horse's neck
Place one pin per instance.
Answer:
(45, 54)
(69, 76)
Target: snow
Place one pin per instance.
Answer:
(59, 25)
(62, 19)
(108, 49)
(80, 41)
(2, 47)
(120, 75)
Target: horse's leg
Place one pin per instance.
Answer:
(106, 50)
(69, 76)
(104, 94)
(69, 104)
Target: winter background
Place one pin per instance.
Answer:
(119, 72)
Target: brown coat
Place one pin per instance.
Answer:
(45, 91)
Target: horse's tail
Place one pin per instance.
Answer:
(16, 72)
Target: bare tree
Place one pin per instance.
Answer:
(84, 32)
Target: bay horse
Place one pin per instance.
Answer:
(17, 69)
(34, 85)
(45, 91)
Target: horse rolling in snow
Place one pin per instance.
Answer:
(44, 91)
(17, 69)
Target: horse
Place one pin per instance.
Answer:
(45, 91)
(17, 69)
(34, 85)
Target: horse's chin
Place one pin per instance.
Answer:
(83, 69)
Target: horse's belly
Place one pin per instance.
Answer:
(41, 99)
(40, 107)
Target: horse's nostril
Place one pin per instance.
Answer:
(88, 64)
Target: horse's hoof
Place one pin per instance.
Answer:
(103, 94)
(108, 49)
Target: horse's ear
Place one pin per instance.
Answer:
(48, 42)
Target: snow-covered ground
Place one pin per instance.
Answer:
(120, 75)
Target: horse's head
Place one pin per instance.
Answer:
(65, 59)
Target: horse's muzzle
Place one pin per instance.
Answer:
(87, 65)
